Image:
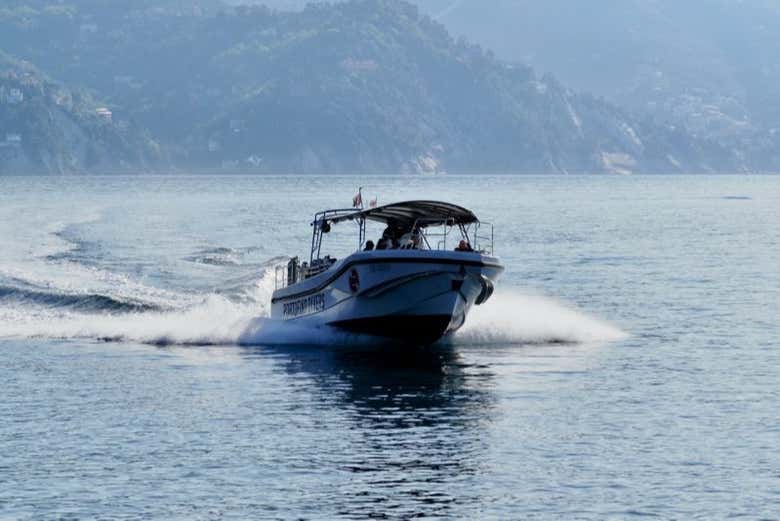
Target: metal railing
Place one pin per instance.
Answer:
(280, 277)
(428, 234)
(483, 240)
(295, 271)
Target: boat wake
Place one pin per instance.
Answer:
(133, 313)
(515, 318)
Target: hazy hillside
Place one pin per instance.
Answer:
(711, 66)
(362, 86)
(48, 128)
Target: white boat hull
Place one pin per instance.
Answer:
(411, 295)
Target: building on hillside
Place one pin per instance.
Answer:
(15, 97)
(63, 99)
(104, 113)
(12, 141)
(30, 80)
(11, 96)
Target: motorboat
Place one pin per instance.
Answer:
(433, 262)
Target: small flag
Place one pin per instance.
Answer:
(357, 201)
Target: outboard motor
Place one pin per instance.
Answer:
(487, 290)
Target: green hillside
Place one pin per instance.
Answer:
(364, 86)
(48, 128)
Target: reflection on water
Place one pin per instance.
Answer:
(419, 417)
(394, 389)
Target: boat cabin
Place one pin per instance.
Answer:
(410, 225)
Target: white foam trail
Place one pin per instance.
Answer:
(74, 279)
(513, 318)
(217, 321)
(508, 318)
(213, 320)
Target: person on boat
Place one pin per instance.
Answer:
(411, 240)
(464, 245)
(388, 240)
(369, 245)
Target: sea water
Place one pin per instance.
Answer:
(628, 364)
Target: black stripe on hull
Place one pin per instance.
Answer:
(414, 329)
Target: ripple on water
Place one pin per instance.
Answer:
(645, 388)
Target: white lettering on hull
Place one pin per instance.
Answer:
(304, 306)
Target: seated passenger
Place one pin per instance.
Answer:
(410, 241)
(388, 240)
(388, 232)
(369, 246)
(464, 245)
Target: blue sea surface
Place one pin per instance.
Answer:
(628, 365)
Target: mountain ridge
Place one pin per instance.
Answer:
(709, 67)
(362, 86)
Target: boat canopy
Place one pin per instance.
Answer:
(406, 214)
